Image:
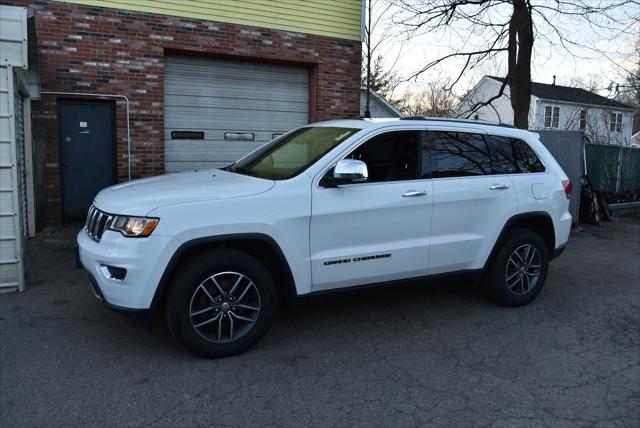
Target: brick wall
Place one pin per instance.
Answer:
(110, 51)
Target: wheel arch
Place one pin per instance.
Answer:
(539, 222)
(260, 246)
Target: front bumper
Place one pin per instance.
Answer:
(143, 258)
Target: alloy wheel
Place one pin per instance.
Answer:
(224, 307)
(523, 270)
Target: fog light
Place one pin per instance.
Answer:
(112, 272)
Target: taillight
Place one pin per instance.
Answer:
(567, 187)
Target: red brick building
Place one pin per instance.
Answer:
(130, 93)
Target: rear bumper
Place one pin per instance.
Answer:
(563, 229)
(557, 252)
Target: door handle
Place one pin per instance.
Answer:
(414, 193)
(499, 187)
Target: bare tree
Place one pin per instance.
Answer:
(507, 27)
(434, 100)
(629, 91)
(381, 80)
(592, 82)
(374, 74)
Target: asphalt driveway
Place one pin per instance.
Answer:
(435, 354)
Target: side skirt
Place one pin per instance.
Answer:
(470, 275)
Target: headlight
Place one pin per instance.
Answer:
(134, 226)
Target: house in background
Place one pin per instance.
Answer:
(554, 107)
(378, 106)
(139, 88)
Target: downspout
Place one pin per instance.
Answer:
(126, 100)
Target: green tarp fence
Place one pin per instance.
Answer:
(613, 168)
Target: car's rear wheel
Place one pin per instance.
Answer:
(519, 269)
(221, 303)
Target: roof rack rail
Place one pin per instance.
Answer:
(455, 120)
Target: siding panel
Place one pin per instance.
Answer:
(341, 19)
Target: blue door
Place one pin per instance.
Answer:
(87, 153)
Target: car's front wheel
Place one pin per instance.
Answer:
(519, 269)
(221, 303)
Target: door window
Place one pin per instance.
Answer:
(458, 154)
(392, 156)
(513, 156)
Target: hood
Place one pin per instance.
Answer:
(140, 197)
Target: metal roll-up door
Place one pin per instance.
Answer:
(217, 110)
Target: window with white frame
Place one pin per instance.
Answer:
(616, 122)
(551, 116)
(583, 120)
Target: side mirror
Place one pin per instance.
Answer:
(347, 171)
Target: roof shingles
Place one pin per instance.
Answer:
(571, 95)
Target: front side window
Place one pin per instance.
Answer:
(512, 156)
(458, 154)
(392, 156)
(289, 155)
(551, 117)
(616, 122)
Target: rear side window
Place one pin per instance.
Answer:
(458, 154)
(513, 156)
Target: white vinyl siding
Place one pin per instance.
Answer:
(250, 103)
(13, 197)
(14, 111)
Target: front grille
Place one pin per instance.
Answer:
(97, 223)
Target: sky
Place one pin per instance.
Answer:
(601, 53)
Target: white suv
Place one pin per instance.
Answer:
(331, 205)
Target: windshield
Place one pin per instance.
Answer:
(291, 154)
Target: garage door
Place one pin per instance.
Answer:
(216, 111)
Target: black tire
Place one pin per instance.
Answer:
(186, 292)
(495, 282)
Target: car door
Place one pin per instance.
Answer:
(471, 203)
(375, 231)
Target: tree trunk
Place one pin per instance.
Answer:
(519, 71)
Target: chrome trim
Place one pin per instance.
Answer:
(414, 193)
(105, 271)
(352, 169)
(97, 222)
(499, 187)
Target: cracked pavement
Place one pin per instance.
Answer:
(434, 354)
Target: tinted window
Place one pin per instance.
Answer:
(513, 156)
(458, 154)
(392, 156)
(289, 155)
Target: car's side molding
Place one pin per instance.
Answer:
(219, 240)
